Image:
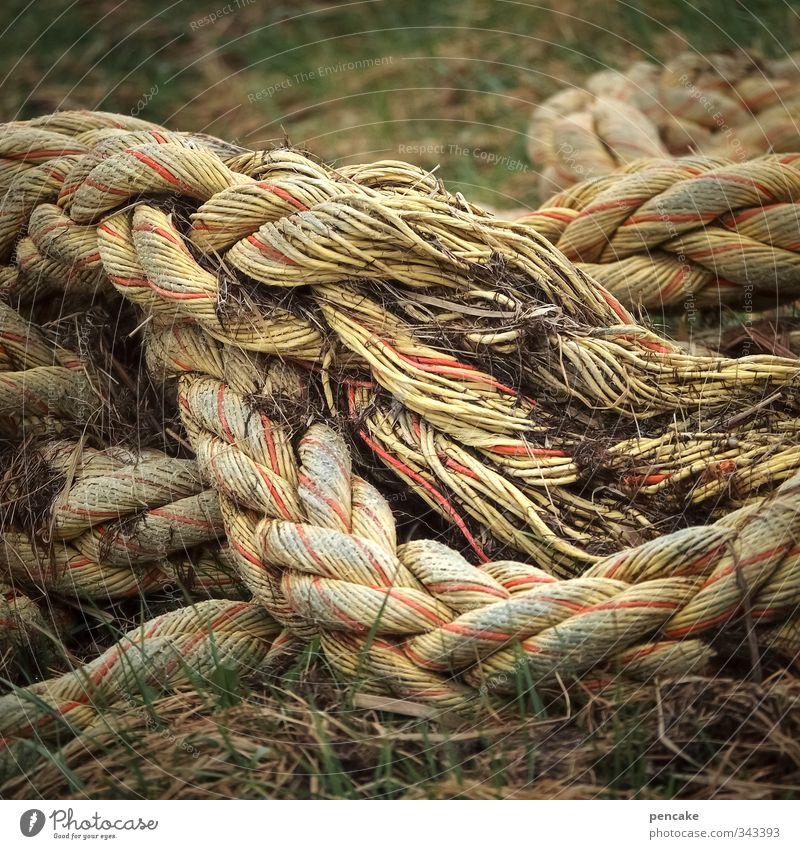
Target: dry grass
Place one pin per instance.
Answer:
(695, 739)
(448, 84)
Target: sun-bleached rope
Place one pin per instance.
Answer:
(450, 394)
(772, 331)
(418, 621)
(479, 364)
(184, 645)
(689, 231)
(459, 419)
(120, 523)
(735, 104)
(473, 358)
(238, 421)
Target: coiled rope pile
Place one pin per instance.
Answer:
(717, 224)
(732, 105)
(625, 500)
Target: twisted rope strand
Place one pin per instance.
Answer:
(39, 381)
(181, 646)
(722, 104)
(123, 523)
(662, 231)
(469, 354)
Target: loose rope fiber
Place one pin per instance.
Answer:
(226, 403)
(501, 383)
(735, 105)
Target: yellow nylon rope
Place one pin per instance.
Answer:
(496, 379)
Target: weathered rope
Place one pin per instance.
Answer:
(528, 497)
(688, 231)
(418, 621)
(472, 355)
(731, 105)
(99, 539)
(185, 645)
(769, 332)
(120, 523)
(329, 556)
(661, 232)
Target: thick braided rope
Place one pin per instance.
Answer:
(24, 632)
(123, 523)
(406, 236)
(59, 248)
(685, 231)
(184, 645)
(34, 162)
(99, 541)
(370, 237)
(488, 408)
(726, 105)
(325, 560)
(40, 383)
(420, 621)
(403, 240)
